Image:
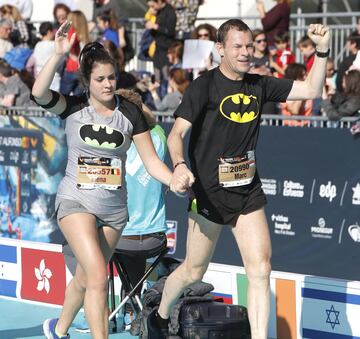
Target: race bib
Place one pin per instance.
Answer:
(237, 171)
(99, 172)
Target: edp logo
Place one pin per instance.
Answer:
(328, 191)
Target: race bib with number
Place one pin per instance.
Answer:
(237, 171)
(99, 172)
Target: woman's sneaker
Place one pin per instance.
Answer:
(49, 329)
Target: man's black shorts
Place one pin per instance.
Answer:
(224, 206)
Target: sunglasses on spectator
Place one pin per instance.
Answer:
(205, 35)
(260, 40)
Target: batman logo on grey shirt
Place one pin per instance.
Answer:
(102, 136)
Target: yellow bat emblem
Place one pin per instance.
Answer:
(240, 108)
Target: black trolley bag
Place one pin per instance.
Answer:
(213, 320)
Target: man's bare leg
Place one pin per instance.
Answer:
(201, 240)
(252, 236)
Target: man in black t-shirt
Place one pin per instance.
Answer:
(223, 109)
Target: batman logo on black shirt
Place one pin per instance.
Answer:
(101, 136)
(240, 108)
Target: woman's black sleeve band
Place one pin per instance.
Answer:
(54, 100)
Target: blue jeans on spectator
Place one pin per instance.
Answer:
(316, 107)
(70, 83)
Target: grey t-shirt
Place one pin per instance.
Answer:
(170, 102)
(15, 86)
(90, 134)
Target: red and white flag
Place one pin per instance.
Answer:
(43, 276)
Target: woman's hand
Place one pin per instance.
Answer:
(182, 179)
(62, 42)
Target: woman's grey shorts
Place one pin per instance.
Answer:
(65, 207)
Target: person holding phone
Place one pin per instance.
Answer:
(178, 83)
(91, 202)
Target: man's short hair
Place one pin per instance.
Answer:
(236, 24)
(45, 27)
(354, 38)
(5, 22)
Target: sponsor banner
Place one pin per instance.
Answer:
(313, 204)
(356, 194)
(269, 186)
(9, 270)
(44, 277)
(171, 235)
(282, 225)
(32, 163)
(313, 201)
(330, 312)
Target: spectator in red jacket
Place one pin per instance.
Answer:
(307, 49)
(284, 56)
(276, 20)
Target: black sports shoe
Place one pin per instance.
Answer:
(153, 329)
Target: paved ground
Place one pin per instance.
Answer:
(21, 320)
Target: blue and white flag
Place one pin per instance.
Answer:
(9, 270)
(330, 312)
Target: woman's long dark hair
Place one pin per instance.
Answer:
(92, 53)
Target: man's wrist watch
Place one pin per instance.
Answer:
(323, 54)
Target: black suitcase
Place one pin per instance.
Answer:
(214, 320)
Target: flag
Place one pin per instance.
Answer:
(9, 270)
(282, 322)
(222, 282)
(330, 312)
(44, 276)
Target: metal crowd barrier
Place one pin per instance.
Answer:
(266, 119)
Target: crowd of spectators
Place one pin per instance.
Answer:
(168, 27)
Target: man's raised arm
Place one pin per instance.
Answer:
(312, 87)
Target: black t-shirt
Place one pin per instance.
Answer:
(225, 118)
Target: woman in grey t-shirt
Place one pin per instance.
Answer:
(91, 201)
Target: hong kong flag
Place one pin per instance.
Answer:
(43, 276)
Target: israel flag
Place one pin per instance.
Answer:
(9, 271)
(330, 312)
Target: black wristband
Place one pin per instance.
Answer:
(179, 163)
(323, 54)
(54, 100)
